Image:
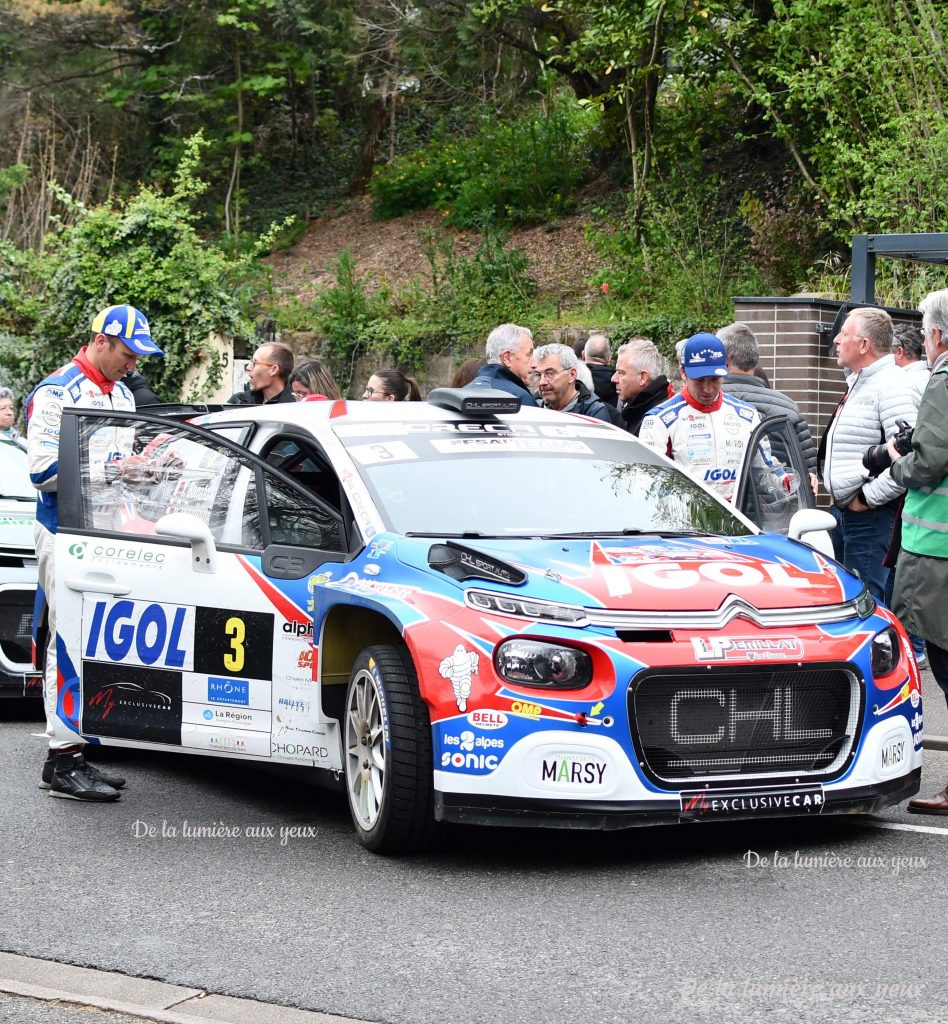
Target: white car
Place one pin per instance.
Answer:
(458, 611)
(18, 678)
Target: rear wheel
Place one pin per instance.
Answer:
(388, 753)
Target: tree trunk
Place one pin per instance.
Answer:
(370, 145)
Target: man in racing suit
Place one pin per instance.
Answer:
(701, 428)
(91, 380)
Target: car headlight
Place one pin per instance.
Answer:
(505, 604)
(884, 653)
(540, 663)
(864, 604)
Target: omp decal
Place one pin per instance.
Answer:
(525, 708)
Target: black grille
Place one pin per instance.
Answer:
(16, 625)
(703, 723)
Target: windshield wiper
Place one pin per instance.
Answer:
(593, 534)
(464, 535)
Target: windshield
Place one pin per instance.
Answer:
(502, 480)
(14, 473)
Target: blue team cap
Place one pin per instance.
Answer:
(128, 325)
(704, 356)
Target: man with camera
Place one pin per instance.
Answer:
(878, 400)
(921, 577)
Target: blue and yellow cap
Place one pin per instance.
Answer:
(128, 325)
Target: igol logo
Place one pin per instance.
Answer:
(77, 550)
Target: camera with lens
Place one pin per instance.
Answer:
(877, 459)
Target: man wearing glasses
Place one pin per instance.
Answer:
(269, 375)
(559, 388)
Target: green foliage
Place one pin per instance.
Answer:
(144, 251)
(512, 172)
(692, 258)
(469, 293)
(349, 316)
(11, 178)
(787, 237)
(858, 91)
(664, 331)
(465, 297)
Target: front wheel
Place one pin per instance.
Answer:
(388, 753)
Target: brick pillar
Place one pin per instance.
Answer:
(793, 353)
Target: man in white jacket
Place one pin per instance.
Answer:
(909, 351)
(879, 397)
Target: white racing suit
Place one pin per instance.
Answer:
(708, 442)
(76, 384)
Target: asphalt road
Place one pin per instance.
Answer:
(703, 923)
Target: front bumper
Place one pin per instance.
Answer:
(471, 809)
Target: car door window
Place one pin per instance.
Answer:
(307, 465)
(298, 521)
(774, 482)
(132, 473)
(294, 519)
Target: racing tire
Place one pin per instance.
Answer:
(387, 753)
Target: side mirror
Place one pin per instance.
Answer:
(184, 526)
(814, 521)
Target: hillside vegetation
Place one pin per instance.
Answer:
(400, 177)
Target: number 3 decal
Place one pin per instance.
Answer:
(234, 659)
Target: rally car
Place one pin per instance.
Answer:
(17, 574)
(464, 611)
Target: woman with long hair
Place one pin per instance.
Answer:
(391, 386)
(313, 378)
(466, 372)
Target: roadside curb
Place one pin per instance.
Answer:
(936, 743)
(49, 980)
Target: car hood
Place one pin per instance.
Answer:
(16, 525)
(656, 573)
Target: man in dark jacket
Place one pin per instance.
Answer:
(559, 388)
(743, 355)
(639, 381)
(269, 372)
(141, 390)
(596, 355)
(510, 362)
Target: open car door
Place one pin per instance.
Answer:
(774, 483)
(182, 570)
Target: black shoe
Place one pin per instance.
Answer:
(72, 780)
(115, 781)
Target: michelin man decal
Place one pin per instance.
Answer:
(459, 666)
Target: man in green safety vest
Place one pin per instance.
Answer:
(921, 577)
